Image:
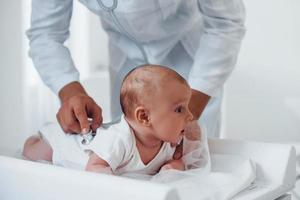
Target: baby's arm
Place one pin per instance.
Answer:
(96, 164)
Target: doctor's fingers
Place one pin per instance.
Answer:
(74, 114)
(67, 120)
(95, 112)
(80, 113)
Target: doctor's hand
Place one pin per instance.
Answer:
(197, 103)
(76, 108)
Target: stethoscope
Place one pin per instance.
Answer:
(87, 138)
(110, 10)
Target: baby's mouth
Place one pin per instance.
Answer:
(179, 139)
(180, 136)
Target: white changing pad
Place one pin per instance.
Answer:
(275, 166)
(275, 175)
(230, 175)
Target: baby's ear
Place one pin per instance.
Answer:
(142, 116)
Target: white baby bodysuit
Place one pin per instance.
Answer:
(116, 145)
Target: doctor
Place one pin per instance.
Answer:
(200, 39)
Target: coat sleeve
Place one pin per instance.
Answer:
(50, 21)
(219, 45)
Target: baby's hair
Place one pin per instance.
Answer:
(142, 82)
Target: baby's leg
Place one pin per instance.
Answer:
(35, 148)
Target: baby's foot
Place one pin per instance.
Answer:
(173, 164)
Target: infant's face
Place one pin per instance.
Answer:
(169, 113)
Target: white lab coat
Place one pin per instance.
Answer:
(200, 39)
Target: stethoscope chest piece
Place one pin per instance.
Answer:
(87, 138)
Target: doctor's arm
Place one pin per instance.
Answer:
(217, 53)
(50, 21)
(218, 49)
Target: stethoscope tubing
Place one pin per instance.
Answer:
(87, 138)
(110, 10)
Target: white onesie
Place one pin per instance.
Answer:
(116, 145)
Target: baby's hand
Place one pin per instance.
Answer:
(173, 164)
(193, 131)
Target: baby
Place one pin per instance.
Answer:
(154, 101)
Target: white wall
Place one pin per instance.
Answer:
(11, 100)
(263, 94)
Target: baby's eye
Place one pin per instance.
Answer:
(179, 109)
